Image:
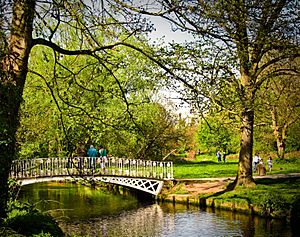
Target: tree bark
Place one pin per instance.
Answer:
(279, 133)
(244, 175)
(12, 79)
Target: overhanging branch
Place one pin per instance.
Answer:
(57, 48)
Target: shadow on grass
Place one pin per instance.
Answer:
(277, 183)
(281, 181)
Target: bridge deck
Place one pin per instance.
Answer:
(144, 175)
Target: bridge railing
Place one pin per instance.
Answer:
(48, 167)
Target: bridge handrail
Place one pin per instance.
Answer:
(76, 166)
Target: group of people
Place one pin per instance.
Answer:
(102, 153)
(92, 152)
(259, 165)
(220, 156)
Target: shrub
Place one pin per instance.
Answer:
(26, 220)
(274, 204)
(34, 223)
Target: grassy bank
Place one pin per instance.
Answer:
(278, 197)
(207, 166)
(270, 197)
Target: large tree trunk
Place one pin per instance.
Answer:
(12, 80)
(244, 175)
(279, 133)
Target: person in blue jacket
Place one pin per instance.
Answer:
(92, 152)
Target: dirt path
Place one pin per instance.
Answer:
(213, 185)
(207, 187)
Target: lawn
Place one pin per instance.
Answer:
(271, 197)
(206, 166)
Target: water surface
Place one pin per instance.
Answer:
(88, 212)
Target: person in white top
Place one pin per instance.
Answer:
(256, 160)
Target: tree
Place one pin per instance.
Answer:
(26, 23)
(76, 106)
(83, 107)
(13, 75)
(240, 45)
(218, 133)
(279, 105)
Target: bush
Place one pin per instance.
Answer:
(25, 219)
(274, 204)
(34, 223)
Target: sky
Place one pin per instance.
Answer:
(163, 29)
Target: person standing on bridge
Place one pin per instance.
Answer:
(103, 156)
(92, 153)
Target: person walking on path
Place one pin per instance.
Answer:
(92, 152)
(224, 156)
(219, 156)
(256, 160)
(270, 163)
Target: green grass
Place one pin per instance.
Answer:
(269, 197)
(206, 166)
(275, 197)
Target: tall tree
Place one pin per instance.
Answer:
(13, 74)
(279, 105)
(89, 107)
(240, 44)
(26, 23)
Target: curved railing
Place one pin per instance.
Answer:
(83, 166)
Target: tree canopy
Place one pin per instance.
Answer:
(239, 46)
(97, 26)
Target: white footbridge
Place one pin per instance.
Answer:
(143, 175)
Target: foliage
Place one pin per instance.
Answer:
(13, 189)
(295, 212)
(278, 109)
(33, 223)
(42, 234)
(238, 47)
(271, 202)
(275, 197)
(264, 140)
(26, 220)
(82, 109)
(293, 141)
(216, 134)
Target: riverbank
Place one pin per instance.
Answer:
(276, 196)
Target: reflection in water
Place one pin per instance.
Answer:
(76, 202)
(158, 221)
(93, 213)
